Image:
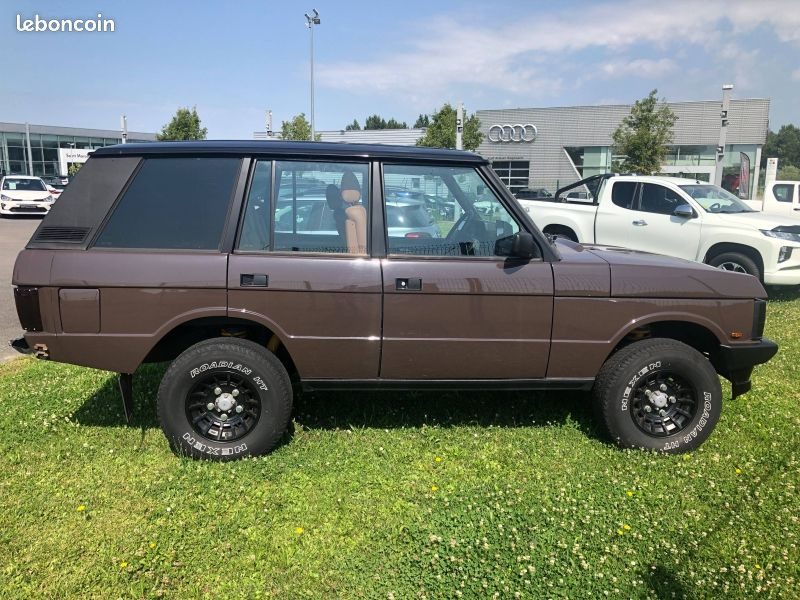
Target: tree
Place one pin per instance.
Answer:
(297, 129)
(788, 173)
(441, 132)
(185, 125)
(784, 145)
(73, 169)
(378, 122)
(643, 135)
(354, 126)
(422, 121)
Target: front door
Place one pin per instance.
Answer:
(301, 268)
(643, 219)
(452, 307)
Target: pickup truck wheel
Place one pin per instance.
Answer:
(658, 394)
(223, 399)
(739, 263)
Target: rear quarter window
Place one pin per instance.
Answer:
(173, 203)
(622, 193)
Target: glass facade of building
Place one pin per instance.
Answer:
(44, 151)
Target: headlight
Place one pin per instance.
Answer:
(4, 197)
(781, 235)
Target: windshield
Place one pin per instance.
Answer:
(714, 199)
(24, 185)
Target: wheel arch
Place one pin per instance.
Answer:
(722, 247)
(181, 336)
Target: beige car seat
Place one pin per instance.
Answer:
(355, 226)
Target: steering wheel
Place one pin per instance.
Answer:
(714, 207)
(467, 230)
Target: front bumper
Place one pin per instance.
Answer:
(735, 363)
(13, 207)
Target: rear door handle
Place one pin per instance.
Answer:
(408, 285)
(254, 280)
(640, 223)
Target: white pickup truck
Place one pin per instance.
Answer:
(780, 198)
(676, 217)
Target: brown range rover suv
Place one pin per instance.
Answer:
(254, 266)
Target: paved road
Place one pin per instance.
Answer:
(14, 234)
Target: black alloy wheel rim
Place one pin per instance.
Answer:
(663, 403)
(223, 406)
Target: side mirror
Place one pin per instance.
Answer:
(523, 246)
(684, 211)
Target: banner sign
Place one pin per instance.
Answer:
(744, 176)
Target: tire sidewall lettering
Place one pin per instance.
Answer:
(197, 444)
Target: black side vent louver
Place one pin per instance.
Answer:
(68, 235)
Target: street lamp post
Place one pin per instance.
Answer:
(311, 20)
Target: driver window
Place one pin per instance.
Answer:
(443, 211)
(659, 200)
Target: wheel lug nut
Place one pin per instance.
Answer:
(648, 393)
(217, 391)
(647, 408)
(235, 393)
(662, 412)
(672, 399)
(663, 387)
(239, 408)
(223, 417)
(210, 406)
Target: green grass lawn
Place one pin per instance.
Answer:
(397, 496)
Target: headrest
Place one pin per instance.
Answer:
(334, 197)
(351, 190)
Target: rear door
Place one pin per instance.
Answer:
(453, 308)
(785, 199)
(293, 271)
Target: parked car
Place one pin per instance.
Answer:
(678, 217)
(244, 303)
(24, 195)
(780, 198)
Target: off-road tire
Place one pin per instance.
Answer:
(735, 258)
(618, 395)
(269, 393)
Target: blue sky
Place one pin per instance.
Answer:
(233, 60)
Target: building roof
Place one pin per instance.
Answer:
(74, 131)
(293, 149)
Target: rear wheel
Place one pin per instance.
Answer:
(736, 262)
(658, 394)
(223, 399)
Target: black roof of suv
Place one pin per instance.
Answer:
(286, 148)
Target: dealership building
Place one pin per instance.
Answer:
(552, 147)
(42, 150)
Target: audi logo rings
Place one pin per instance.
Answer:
(512, 133)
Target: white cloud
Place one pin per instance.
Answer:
(641, 67)
(528, 56)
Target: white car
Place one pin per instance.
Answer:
(677, 217)
(780, 198)
(24, 195)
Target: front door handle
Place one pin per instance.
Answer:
(254, 280)
(640, 223)
(413, 284)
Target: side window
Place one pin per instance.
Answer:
(659, 199)
(255, 225)
(321, 207)
(173, 203)
(622, 193)
(443, 211)
(783, 192)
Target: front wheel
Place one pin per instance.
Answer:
(736, 262)
(658, 394)
(223, 399)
